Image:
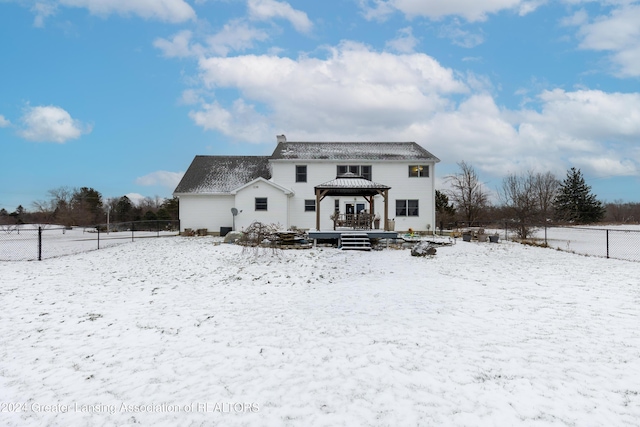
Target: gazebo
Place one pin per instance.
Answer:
(352, 185)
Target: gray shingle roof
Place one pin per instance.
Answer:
(351, 151)
(350, 184)
(222, 174)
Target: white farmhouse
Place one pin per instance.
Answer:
(313, 186)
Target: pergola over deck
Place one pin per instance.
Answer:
(352, 185)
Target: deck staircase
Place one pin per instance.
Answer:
(355, 241)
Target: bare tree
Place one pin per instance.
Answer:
(519, 196)
(545, 187)
(467, 192)
(622, 213)
(60, 203)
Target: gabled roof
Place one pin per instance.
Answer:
(350, 184)
(351, 151)
(261, 179)
(222, 174)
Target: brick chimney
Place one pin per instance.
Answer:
(281, 138)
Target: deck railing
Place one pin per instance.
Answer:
(360, 221)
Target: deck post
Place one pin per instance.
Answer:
(386, 210)
(317, 210)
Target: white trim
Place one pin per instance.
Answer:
(200, 194)
(260, 179)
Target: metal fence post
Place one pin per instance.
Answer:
(157, 228)
(39, 243)
(607, 243)
(133, 225)
(98, 228)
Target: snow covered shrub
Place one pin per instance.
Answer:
(258, 235)
(423, 249)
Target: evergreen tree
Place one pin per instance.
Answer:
(574, 201)
(86, 205)
(173, 207)
(123, 210)
(444, 210)
(163, 215)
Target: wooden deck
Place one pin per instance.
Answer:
(357, 221)
(337, 234)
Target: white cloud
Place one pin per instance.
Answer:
(470, 10)
(240, 122)
(578, 18)
(332, 93)
(190, 97)
(263, 10)
(179, 46)
(607, 164)
(460, 37)
(163, 10)
(4, 122)
(405, 42)
(51, 124)
(593, 130)
(527, 7)
(618, 33)
(379, 10)
(236, 35)
(42, 11)
(162, 178)
(412, 97)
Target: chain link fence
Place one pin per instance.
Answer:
(40, 241)
(613, 241)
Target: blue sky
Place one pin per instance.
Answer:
(120, 95)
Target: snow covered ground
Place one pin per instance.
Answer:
(615, 241)
(181, 331)
(20, 242)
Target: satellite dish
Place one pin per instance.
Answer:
(234, 211)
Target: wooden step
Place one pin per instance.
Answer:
(355, 241)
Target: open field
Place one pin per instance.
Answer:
(20, 243)
(180, 331)
(614, 241)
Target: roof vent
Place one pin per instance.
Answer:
(281, 138)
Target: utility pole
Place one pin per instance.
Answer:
(108, 211)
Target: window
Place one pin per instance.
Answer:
(362, 170)
(310, 205)
(301, 173)
(412, 208)
(336, 205)
(420, 171)
(261, 203)
(365, 171)
(407, 208)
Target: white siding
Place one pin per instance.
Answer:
(284, 173)
(213, 212)
(396, 176)
(277, 202)
(392, 174)
(210, 212)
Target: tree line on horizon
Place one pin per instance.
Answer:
(526, 200)
(85, 206)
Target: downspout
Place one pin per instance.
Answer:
(288, 210)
